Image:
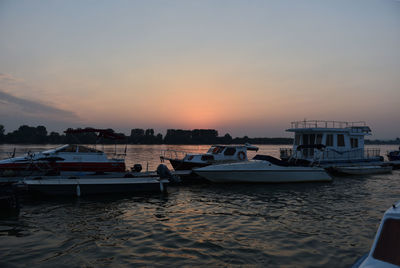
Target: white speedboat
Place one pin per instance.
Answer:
(217, 154)
(67, 158)
(269, 170)
(385, 251)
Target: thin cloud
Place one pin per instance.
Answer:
(7, 78)
(22, 107)
(34, 108)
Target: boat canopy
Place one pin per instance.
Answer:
(216, 149)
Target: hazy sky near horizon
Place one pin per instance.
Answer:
(242, 67)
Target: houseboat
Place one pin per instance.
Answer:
(331, 144)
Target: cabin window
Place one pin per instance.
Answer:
(354, 142)
(340, 140)
(217, 150)
(389, 242)
(230, 151)
(329, 140)
(312, 138)
(211, 149)
(206, 157)
(305, 139)
(319, 139)
(297, 139)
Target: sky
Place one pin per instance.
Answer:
(241, 67)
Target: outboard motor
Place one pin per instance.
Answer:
(137, 168)
(165, 173)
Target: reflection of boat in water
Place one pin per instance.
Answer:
(9, 202)
(363, 170)
(331, 143)
(90, 186)
(70, 158)
(386, 246)
(67, 158)
(265, 170)
(217, 154)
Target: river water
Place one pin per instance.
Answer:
(262, 225)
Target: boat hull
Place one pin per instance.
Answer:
(185, 165)
(83, 187)
(265, 176)
(262, 172)
(46, 167)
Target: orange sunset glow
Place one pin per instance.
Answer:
(242, 70)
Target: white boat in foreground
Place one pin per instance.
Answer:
(262, 171)
(81, 187)
(363, 170)
(385, 251)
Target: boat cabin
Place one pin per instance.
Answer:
(222, 153)
(181, 160)
(316, 140)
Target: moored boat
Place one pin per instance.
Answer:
(83, 186)
(69, 158)
(331, 143)
(385, 249)
(217, 154)
(262, 171)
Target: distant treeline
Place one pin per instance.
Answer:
(39, 135)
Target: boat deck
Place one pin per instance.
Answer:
(101, 176)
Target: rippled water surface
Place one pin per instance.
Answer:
(263, 225)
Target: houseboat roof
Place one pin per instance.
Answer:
(354, 128)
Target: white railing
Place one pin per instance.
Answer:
(326, 124)
(329, 154)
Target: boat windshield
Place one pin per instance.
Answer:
(72, 148)
(389, 242)
(216, 149)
